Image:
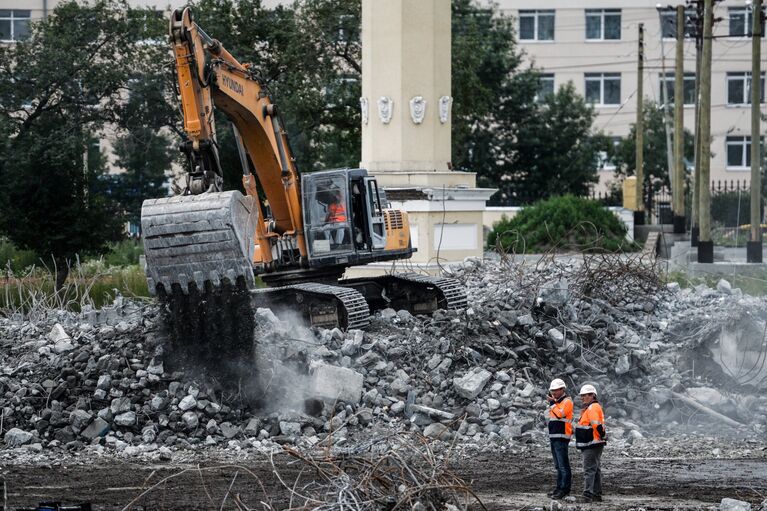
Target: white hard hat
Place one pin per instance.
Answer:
(588, 389)
(557, 384)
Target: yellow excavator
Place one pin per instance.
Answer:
(297, 232)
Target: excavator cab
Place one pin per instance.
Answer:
(344, 218)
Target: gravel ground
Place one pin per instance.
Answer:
(511, 479)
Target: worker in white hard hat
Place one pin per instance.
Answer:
(560, 433)
(590, 438)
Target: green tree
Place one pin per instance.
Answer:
(493, 92)
(655, 156)
(58, 89)
(308, 56)
(142, 148)
(548, 148)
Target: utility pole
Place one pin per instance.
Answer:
(677, 189)
(754, 246)
(666, 114)
(695, 229)
(639, 213)
(705, 245)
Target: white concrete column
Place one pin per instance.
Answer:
(406, 61)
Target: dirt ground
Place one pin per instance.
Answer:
(502, 481)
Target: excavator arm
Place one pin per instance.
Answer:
(177, 231)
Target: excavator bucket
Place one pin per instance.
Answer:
(198, 238)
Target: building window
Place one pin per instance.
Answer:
(741, 21)
(739, 153)
(546, 87)
(603, 24)
(536, 25)
(14, 25)
(668, 23)
(739, 88)
(603, 88)
(689, 88)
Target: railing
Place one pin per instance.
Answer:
(730, 205)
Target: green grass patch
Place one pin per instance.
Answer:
(84, 287)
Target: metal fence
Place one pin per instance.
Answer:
(730, 205)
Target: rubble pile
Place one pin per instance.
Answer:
(476, 376)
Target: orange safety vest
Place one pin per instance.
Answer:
(590, 429)
(336, 212)
(561, 419)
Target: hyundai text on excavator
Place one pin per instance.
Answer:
(301, 238)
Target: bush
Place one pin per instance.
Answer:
(16, 259)
(731, 208)
(124, 253)
(561, 223)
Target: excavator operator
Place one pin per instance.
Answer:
(337, 215)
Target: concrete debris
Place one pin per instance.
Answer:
(471, 384)
(728, 504)
(333, 384)
(477, 377)
(15, 437)
(724, 287)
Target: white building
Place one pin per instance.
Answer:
(593, 43)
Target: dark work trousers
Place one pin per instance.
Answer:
(562, 464)
(592, 470)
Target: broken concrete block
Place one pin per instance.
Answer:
(526, 320)
(155, 367)
(63, 346)
(724, 287)
(190, 419)
(289, 428)
(332, 383)
(57, 334)
(104, 382)
(527, 391)
(126, 419)
(623, 365)
(471, 384)
(728, 504)
(16, 437)
(79, 419)
(557, 337)
(98, 427)
(187, 403)
(555, 292)
(120, 405)
(229, 431)
(437, 430)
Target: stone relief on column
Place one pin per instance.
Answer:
(445, 103)
(417, 109)
(364, 109)
(385, 109)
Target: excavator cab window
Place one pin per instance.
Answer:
(327, 213)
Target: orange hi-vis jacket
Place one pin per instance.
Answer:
(590, 430)
(336, 212)
(561, 419)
